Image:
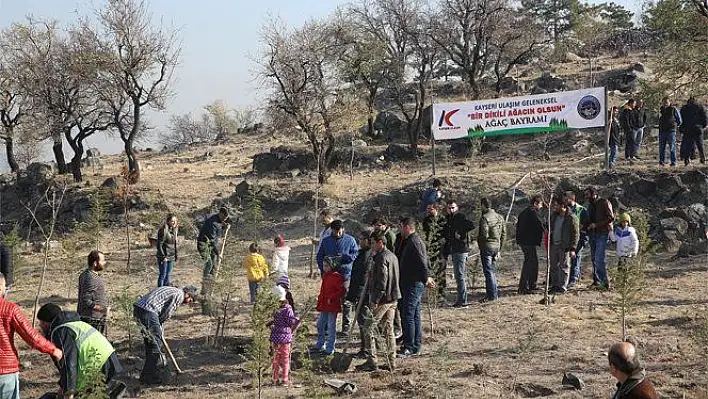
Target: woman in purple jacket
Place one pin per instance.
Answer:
(281, 336)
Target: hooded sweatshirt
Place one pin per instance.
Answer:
(281, 255)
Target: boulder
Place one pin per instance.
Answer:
(573, 381)
(550, 83)
(639, 67)
(696, 180)
(675, 224)
(668, 187)
(396, 152)
(461, 149)
(509, 85)
(692, 249)
(111, 183)
(387, 122)
(39, 173)
(669, 241)
(624, 81)
(571, 57)
(283, 159)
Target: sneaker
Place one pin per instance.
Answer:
(116, 390)
(398, 334)
(368, 366)
(405, 354)
(460, 305)
(486, 300)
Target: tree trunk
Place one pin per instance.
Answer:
(76, 160)
(370, 125)
(133, 164)
(76, 168)
(10, 152)
(57, 148)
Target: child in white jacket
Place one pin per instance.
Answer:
(626, 238)
(281, 256)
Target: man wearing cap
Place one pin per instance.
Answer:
(92, 305)
(87, 353)
(151, 312)
(208, 240)
(14, 321)
(343, 247)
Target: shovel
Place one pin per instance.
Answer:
(341, 361)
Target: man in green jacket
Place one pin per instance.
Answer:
(492, 232)
(380, 224)
(87, 355)
(565, 232)
(582, 214)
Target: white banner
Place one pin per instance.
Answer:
(552, 112)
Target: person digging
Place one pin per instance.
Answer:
(87, 356)
(151, 312)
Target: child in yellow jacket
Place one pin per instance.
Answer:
(256, 270)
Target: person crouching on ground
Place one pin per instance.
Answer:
(87, 355)
(256, 270)
(281, 337)
(626, 238)
(329, 303)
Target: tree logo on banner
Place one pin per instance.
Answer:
(589, 107)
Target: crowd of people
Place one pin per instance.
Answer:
(384, 275)
(631, 120)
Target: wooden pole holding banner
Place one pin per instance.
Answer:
(315, 217)
(432, 123)
(608, 126)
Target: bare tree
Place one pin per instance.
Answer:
(52, 199)
(186, 130)
(141, 61)
(464, 29)
(300, 67)
(12, 108)
(221, 119)
(512, 47)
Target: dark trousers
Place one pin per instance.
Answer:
(529, 271)
(692, 140)
(346, 310)
(151, 328)
(629, 144)
(410, 306)
(208, 254)
(97, 323)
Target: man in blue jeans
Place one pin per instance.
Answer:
(669, 121)
(492, 232)
(599, 225)
(414, 277)
(457, 245)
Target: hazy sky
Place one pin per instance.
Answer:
(219, 41)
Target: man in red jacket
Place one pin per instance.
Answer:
(14, 321)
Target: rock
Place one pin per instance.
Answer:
(696, 180)
(669, 241)
(359, 143)
(692, 249)
(550, 83)
(669, 187)
(639, 67)
(461, 149)
(624, 81)
(678, 225)
(582, 146)
(112, 183)
(571, 57)
(387, 122)
(396, 152)
(39, 173)
(571, 380)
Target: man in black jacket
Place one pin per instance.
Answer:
(414, 276)
(529, 235)
(361, 266)
(208, 240)
(457, 245)
(85, 351)
(694, 119)
(384, 293)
